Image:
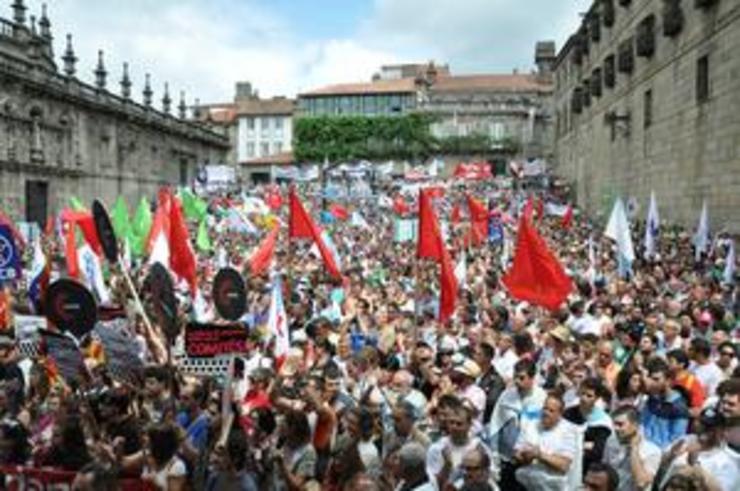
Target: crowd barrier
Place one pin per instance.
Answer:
(30, 479)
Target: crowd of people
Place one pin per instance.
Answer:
(632, 384)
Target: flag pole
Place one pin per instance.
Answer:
(137, 299)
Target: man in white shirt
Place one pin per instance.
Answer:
(635, 458)
(547, 449)
(518, 404)
(708, 373)
(506, 358)
(444, 458)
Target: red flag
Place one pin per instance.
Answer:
(339, 212)
(429, 244)
(70, 250)
(49, 228)
(262, 257)
(567, 219)
(456, 214)
(536, 275)
(478, 221)
(182, 257)
(400, 206)
(301, 226)
(157, 244)
(84, 220)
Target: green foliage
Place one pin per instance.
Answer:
(362, 137)
(339, 138)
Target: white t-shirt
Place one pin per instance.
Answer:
(617, 455)
(505, 364)
(436, 460)
(559, 440)
(720, 462)
(710, 376)
(175, 468)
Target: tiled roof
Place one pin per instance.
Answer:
(443, 83)
(219, 115)
(257, 107)
(282, 158)
(376, 87)
(492, 82)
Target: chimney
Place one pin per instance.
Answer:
(544, 58)
(244, 90)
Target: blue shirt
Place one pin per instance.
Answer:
(195, 431)
(665, 420)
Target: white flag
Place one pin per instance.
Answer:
(461, 270)
(652, 227)
(618, 229)
(92, 272)
(729, 273)
(277, 320)
(701, 239)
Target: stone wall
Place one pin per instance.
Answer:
(684, 149)
(87, 142)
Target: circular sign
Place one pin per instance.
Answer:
(106, 234)
(229, 294)
(70, 307)
(6, 252)
(163, 298)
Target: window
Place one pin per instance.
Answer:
(278, 123)
(265, 124)
(497, 131)
(277, 147)
(702, 79)
(250, 149)
(250, 123)
(264, 149)
(647, 109)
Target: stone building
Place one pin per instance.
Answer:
(60, 137)
(504, 107)
(647, 98)
(260, 131)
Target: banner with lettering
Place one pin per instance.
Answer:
(208, 340)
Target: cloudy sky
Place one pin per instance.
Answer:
(287, 46)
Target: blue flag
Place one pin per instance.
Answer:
(10, 264)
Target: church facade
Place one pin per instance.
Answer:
(61, 137)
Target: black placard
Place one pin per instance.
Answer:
(121, 354)
(106, 234)
(209, 340)
(163, 299)
(65, 354)
(70, 307)
(229, 294)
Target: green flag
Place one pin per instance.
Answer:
(76, 204)
(193, 206)
(203, 242)
(120, 220)
(140, 228)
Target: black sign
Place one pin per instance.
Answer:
(65, 354)
(106, 234)
(209, 340)
(163, 298)
(121, 354)
(70, 307)
(229, 294)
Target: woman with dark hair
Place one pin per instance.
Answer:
(630, 389)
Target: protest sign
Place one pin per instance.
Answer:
(207, 340)
(9, 257)
(121, 354)
(65, 354)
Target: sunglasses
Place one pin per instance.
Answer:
(727, 353)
